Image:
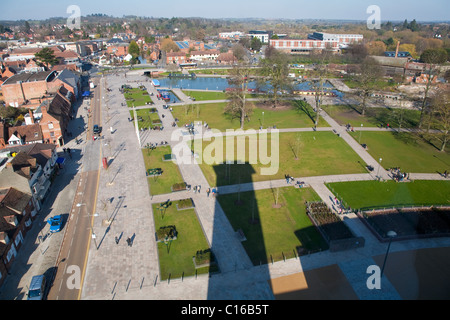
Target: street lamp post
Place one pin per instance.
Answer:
(360, 133)
(263, 119)
(378, 173)
(391, 235)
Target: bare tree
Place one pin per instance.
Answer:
(432, 58)
(275, 67)
(237, 105)
(370, 73)
(441, 108)
(321, 59)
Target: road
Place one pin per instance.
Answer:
(79, 234)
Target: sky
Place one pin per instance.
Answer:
(390, 10)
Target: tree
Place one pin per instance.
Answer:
(275, 67)
(441, 108)
(256, 44)
(47, 57)
(376, 48)
(432, 57)
(169, 45)
(237, 106)
(239, 51)
(370, 73)
(322, 60)
(408, 47)
(134, 50)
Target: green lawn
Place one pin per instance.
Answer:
(205, 95)
(406, 151)
(171, 174)
(175, 258)
(375, 194)
(319, 153)
(299, 115)
(374, 117)
(137, 96)
(286, 230)
(147, 118)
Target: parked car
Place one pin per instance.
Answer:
(96, 129)
(55, 223)
(37, 288)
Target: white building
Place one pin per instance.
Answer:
(342, 39)
(235, 35)
(207, 55)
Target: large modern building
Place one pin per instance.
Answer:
(292, 46)
(316, 41)
(342, 39)
(263, 36)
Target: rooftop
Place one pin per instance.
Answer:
(29, 77)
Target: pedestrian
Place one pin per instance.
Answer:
(198, 188)
(207, 192)
(64, 150)
(195, 189)
(117, 240)
(129, 242)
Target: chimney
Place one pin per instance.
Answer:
(31, 117)
(396, 51)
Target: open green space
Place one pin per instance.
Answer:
(137, 97)
(146, 118)
(388, 194)
(206, 95)
(299, 155)
(374, 117)
(274, 233)
(298, 115)
(404, 150)
(175, 257)
(171, 175)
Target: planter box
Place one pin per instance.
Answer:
(211, 262)
(185, 204)
(178, 187)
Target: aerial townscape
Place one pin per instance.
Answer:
(233, 159)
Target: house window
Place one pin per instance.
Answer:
(50, 125)
(52, 134)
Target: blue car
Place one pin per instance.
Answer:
(55, 223)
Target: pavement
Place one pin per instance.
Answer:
(117, 271)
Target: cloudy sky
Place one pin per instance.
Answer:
(391, 10)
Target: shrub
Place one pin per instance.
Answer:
(179, 186)
(168, 232)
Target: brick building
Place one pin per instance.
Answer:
(16, 210)
(30, 89)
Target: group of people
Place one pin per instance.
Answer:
(289, 179)
(195, 189)
(398, 175)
